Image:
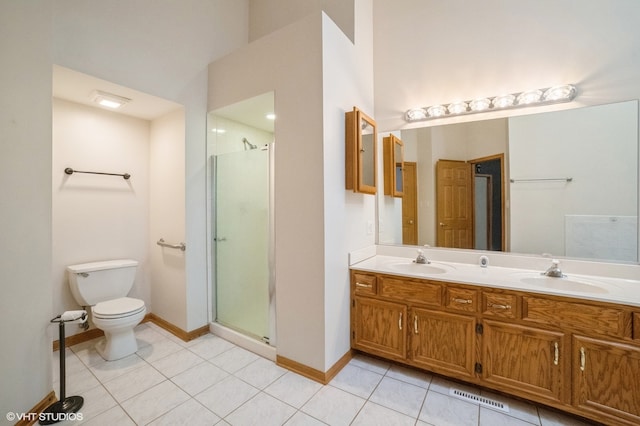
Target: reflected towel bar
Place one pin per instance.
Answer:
(181, 246)
(70, 171)
(566, 179)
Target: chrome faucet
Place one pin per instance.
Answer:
(554, 270)
(421, 259)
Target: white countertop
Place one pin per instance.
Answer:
(597, 288)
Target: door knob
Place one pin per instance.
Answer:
(410, 222)
(442, 224)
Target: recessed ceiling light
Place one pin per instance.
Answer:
(271, 116)
(109, 100)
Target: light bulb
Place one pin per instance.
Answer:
(529, 97)
(557, 93)
(503, 101)
(457, 107)
(479, 104)
(436, 111)
(416, 114)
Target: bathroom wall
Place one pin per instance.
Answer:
(317, 74)
(25, 206)
(163, 49)
(347, 79)
(429, 51)
(266, 16)
(289, 63)
(166, 218)
(98, 217)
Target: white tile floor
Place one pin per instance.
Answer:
(210, 381)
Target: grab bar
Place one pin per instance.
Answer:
(564, 179)
(181, 246)
(70, 171)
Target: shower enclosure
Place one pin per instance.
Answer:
(242, 241)
(240, 191)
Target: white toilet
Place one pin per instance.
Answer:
(104, 286)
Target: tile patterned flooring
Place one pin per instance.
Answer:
(210, 381)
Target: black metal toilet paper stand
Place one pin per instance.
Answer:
(59, 411)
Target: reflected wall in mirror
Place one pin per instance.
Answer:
(594, 215)
(360, 152)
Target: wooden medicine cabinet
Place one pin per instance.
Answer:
(393, 158)
(360, 155)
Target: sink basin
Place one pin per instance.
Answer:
(565, 283)
(419, 268)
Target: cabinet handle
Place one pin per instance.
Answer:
(363, 285)
(462, 301)
(496, 306)
(400, 321)
(583, 359)
(415, 324)
(556, 353)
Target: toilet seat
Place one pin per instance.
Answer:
(118, 308)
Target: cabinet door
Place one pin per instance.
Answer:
(606, 378)
(525, 360)
(443, 342)
(378, 327)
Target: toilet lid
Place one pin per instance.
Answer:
(118, 307)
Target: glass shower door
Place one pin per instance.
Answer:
(242, 241)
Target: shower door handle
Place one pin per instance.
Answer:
(220, 239)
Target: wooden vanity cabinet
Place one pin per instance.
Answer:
(577, 355)
(443, 342)
(636, 325)
(525, 360)
(378, 327)
(606, 379)
(364, 284)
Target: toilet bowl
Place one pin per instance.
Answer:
(117, 318)
(104, 286)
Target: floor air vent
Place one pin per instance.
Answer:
(477, 399)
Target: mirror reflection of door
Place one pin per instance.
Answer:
(410, 203)
(470, 206)
(454, 204)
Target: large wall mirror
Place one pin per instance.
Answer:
(562, 183)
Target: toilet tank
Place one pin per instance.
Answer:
(96, 282)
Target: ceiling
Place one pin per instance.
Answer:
(77, 87)
(251, 112)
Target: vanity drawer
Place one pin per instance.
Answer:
(499, 305)
(411, 291)
(364, 283)
(462, 299)
(599, 319)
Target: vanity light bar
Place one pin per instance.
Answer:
(536, 97)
